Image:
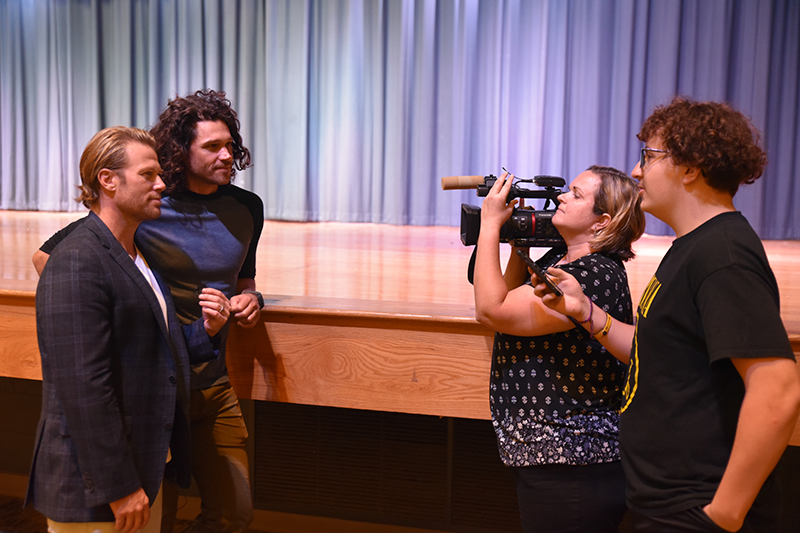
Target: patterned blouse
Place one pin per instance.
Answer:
(555, 398)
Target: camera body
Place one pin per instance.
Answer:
(526, 227)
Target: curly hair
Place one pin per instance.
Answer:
(709, 136)
(618, 195)
(107, 149)
(175, 132)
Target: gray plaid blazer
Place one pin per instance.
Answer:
(115, 381)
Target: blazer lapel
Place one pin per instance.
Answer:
(121, 257)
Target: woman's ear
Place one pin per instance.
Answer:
(602, 221)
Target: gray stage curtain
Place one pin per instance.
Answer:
(354, 110)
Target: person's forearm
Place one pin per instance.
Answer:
(766, 420)
(516, 270)
(245, 284)
(618, 338)
(39, 260)
(488, 282)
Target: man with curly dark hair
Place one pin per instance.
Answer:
(713, 394)
(176, 130)
(206, 236)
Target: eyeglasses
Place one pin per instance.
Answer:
(646, 158)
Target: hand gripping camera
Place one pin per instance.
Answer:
(526, 227)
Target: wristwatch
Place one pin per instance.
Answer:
(258, 297)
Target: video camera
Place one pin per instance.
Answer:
(526, 227)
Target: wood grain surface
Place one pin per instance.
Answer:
(360, 316)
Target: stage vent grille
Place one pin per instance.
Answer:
(379, 467)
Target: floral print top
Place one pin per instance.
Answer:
(555, 398)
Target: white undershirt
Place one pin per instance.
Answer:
(151, 279)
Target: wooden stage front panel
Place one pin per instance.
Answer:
(358, 316)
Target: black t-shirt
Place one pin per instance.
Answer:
(713, 298)
(50, 244)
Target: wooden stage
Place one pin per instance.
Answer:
(358, 316)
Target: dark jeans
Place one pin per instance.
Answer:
(571, 499)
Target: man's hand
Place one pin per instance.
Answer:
(216, 309)
(245, 308)
(727, 525)
(573, 303)
(131, 512)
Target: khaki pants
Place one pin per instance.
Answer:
(220, 466)
(152, 526)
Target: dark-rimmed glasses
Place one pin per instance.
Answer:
(645, 158)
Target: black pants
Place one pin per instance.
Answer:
(571, 499)
(695, 520)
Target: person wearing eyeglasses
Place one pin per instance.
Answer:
(555, 392)
(712, 394)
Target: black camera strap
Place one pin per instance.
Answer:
(471, 266)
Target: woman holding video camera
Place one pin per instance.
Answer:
(554, 390)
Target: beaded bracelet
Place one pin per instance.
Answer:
(589, 320)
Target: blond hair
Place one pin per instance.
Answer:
(107, 150)
(618, 195)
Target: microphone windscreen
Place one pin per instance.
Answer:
(461, 182)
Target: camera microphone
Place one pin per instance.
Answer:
(461, 182)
